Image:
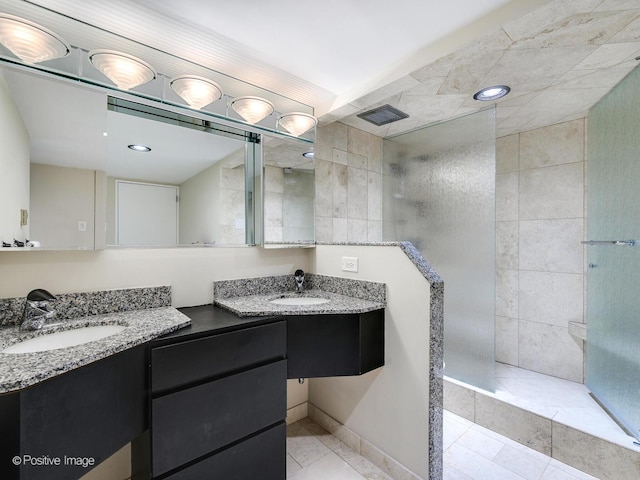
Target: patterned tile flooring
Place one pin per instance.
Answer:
(471, 452)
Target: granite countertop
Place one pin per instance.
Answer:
(20, 370)
(260, 305)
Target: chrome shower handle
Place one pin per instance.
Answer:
(626, 243)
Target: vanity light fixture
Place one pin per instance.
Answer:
(139, 148)
(198, 92)
(252, 109)
(126, 71)
(297, 123)
(491, 93)
(30, 42)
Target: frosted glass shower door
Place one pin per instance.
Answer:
(439, 194)
(613, 276)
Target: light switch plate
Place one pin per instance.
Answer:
(349, 264)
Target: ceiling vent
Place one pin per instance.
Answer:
(383, 115)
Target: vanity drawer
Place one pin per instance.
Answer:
(196, 360)
(261, 456)
(194, 422)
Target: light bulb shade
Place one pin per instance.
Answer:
(297, 123)
(198, 92)
(252, 109)
(126, 71)
(29, 41)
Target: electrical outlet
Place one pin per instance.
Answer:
(24, 216)
(349, 264)
(82, 226)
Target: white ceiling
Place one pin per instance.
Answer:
(427, 58)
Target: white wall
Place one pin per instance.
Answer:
(389, 406)
(60, 198)
(14, 167)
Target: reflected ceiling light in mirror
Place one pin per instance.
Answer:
(139, 148)
(126, 71)
(252, 109)
(297, 123)
(29, 41)
(198, 92)
(491, 93)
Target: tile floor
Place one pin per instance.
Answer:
(471, 452)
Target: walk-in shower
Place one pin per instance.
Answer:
(439, 193)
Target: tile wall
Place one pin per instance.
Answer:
(348, 185)
(540, 222)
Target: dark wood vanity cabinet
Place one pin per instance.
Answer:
(218, 405)
(334, 345)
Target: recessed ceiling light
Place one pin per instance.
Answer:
(308, 154)
(491, 93)
(139, 148)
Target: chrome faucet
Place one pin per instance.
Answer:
(299, 276)
(36, 310)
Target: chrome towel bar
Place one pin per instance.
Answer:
(626, 243)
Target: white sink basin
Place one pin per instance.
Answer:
(66, 338)
(299, 301)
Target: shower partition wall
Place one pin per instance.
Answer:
(613, 205)
(439, 194)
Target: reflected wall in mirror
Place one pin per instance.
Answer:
(289, 193)
(62, 153)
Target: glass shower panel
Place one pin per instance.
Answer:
(613, 206)
(439, 194)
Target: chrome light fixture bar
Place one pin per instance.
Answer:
(197, 91)
(30, 42)
(125, 70)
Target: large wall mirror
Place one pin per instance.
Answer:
(86, 180)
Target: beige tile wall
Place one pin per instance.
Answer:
(348, 185)
(540, 222)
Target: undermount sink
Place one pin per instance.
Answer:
(66, 338)
(299, 301)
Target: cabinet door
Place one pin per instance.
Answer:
(334, 345)
(195, 422)
(262, 456)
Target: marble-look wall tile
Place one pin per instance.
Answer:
(552, 192)
(233, 178)
(459, 400)
(273, 209)
(374, 231)
(507, 293)
(551, 245)
(274, 234)
(507, 196)
(357, 161)
(357, 230)
(324, 188)
(329, 137)
(340, 157)
(553, 145)
(340, 190)
(232, 206)
(324, 229)
(515, 423)
(273, 179)
(385, 463)
(507, 156)
(507, 245)
(593, 455)
(340, 230)
(550, 350)
(507, 340)
(366, 144)
(357, 194)
(374, 196)
(551, 298)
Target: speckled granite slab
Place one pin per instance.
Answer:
(74, 305)
(20, 370)
(252, 296)
(373, 291)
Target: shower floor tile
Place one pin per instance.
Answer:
(565, 402)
